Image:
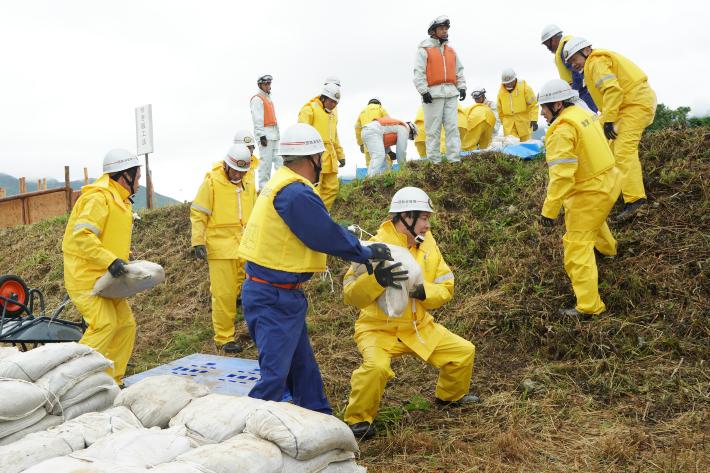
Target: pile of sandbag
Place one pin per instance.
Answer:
(43, 387)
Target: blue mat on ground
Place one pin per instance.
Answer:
(524, 150)
(222, 374)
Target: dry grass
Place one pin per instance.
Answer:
(628, 391)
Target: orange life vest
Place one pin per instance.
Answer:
(440, 69)
(390, 139)
(269, 113)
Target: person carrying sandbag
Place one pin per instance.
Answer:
(97, 238)
(379, 337)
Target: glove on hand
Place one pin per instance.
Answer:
(427, 98)
(609, 131)
(392, 155)
(117, 268)
(380, 252)
(547, 222)
(262, 140)
(533, 125)
(362, 149)
(418, 293)
(462, 94)
(199, 252)
(341, 163)
(387, 276)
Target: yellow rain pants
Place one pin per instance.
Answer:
(226, 278)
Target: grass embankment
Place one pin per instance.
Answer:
(627, 391)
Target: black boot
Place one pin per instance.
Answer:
(230, 347)
(363, 430)
(629, 210)
(470, 398)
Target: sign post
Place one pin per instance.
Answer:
(144, 142)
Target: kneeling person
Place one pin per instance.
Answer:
(379, 338)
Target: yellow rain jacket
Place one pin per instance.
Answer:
(326, 123)
(98, 232)
(415, 329)
(373, 111)
(479, 133)
(221, 210)
(565, 74)
(517, 109)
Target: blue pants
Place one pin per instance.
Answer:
(277, 323)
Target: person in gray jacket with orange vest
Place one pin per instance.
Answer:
(438, 77)
(266, 129)
(380, 135)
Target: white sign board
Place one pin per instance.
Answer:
(144, 129)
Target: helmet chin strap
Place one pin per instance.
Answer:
(410, 227)
(130, 177)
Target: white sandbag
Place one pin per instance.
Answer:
(317, 464)
(30, 365)
(157, 399)
(44, 423)
(65, 376)
(32, 449)
(74, 465)
(300, 433)
(348, 466)
(18, 399)
(393, 301)
(96, 403)
(6, 352)
(215, 417)
(140, 276)
(86, 429)
(243, 453)
(177, 467)
(10, 427)
(84, 389)
(136, 447)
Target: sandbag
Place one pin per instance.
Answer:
(9, 427)
(243, 453)
(136, 447)
(74, 465)
(84, 389)
(348, 466)
(6, 352)
(85, 430)
(18, 399)
(215, 417)
(30, 365)
(300, 433)
(44, 423)
(32, 449)
(157, 399)
(62, 378)
(393, 301)
(96, 403)
(316, 464)
(177, 467)
(140, 276)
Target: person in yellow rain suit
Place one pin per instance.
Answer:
(481, 121)
(627, 104)
(98, 238)
(373, 111)
(420, 139)
(379, 338)
(517, 107)
(584, 180)
(319, 113)
(219, 215)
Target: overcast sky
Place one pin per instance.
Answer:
(73, 71)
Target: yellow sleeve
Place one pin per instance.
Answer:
(360, 291)
(385, 113)
(358, 130)
(306, 114)
(608, 85)
(531, 100)
(338, 149)
(88, 226)
(562, 166)
(499, 106)
(200, 212)
(441, 289)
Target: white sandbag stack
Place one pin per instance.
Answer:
(244, 453)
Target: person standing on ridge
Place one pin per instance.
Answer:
(517, 106)
(266, 128)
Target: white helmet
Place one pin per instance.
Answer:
(549, 31)
(244, 137)
(412, 130)
(556, 90)
(119, 160)
(264, 79)
(508, 76)
(573, 46)
(332, 80)
(300, 139)
(332, 91)
(238, 158)
(442, 20)
(410, 199)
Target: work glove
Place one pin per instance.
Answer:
(362, 149)
(341, 163)
(533, 124)
(117, 268)
(462, 94)
(418, 293)
(547, 222)
(386, 276)
(392, 155)
(199, 252)
(427, 98)
(262, 140)
(609, 131)
(380, 252)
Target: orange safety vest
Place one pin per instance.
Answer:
(269, 113)
(440, 69)
(390, 139)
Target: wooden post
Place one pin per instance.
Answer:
(39, 184)
(67, 187)
(149, 185)
(44, 183)
(2, 193)
(21, 184)
(86, 177)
